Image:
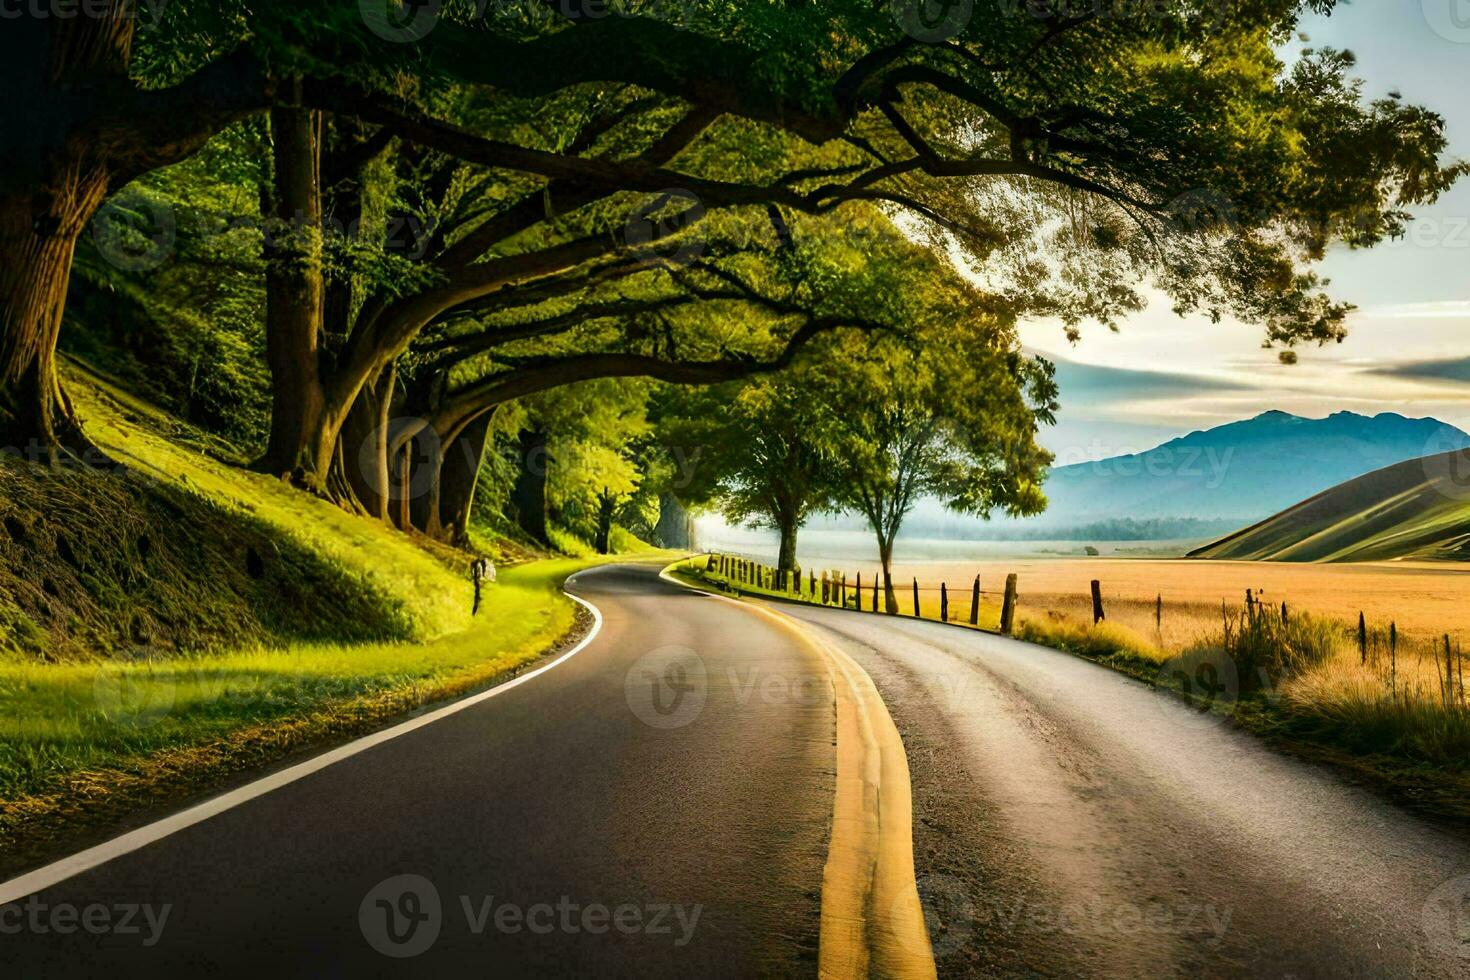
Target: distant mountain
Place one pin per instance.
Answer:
(1212, 480)
(1414, 509)
(1244, 470)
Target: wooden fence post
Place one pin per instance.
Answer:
(1159, 613)
(875, 593)
(916, 598)
(814, 583)
(824, 588)
(1449, 677)
(1393, 659)
(842, 584)
(1283, 611)
(1097, 606)
(1008, 606)
(943, 603)
(1363, 638)
(975, 603)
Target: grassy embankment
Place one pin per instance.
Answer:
(1398, 716)
(168, 626)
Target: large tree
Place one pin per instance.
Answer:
(1047, 144)
(80, 119)
(922, 421)
(757, 451)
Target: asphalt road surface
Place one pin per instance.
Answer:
(636, 810)
(1069, 821)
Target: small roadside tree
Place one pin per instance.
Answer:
(953, 424)
(755, 450)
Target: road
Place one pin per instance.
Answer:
(635, 810)
(1069, 821)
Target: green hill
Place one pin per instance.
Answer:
(1419, 508)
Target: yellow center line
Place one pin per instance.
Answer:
(872, 923)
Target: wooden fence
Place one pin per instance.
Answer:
(834, 588)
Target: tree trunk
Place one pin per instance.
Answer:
(458, 477)
(400, 464)
(885, 556)
(606, 504)
(786, 556)
(674, 523)
(528, 496)
(303, 434)
(38, 236)
(426, 467)
(53, 186)
(364, 442)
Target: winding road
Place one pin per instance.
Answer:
(637, 810)
(1070, 821)
(667, 800)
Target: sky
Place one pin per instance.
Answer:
(1409, 346)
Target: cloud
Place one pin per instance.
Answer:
(1097, 385)
(1436, 369)
(1447, 309)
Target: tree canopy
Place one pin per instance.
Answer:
(458, 205)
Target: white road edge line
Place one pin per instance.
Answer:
(68, 867)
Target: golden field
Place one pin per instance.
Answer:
(1404, 701)
(1424, 599)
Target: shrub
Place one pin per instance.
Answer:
(1267, 648)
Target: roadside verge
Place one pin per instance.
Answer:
(159, 735)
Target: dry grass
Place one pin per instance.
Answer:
(1304, 675)
(1400, 705)
(1425, 599)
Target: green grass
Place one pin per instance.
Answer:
(383, 559)
(109, 737)
(1414, 509)
(93, 736)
